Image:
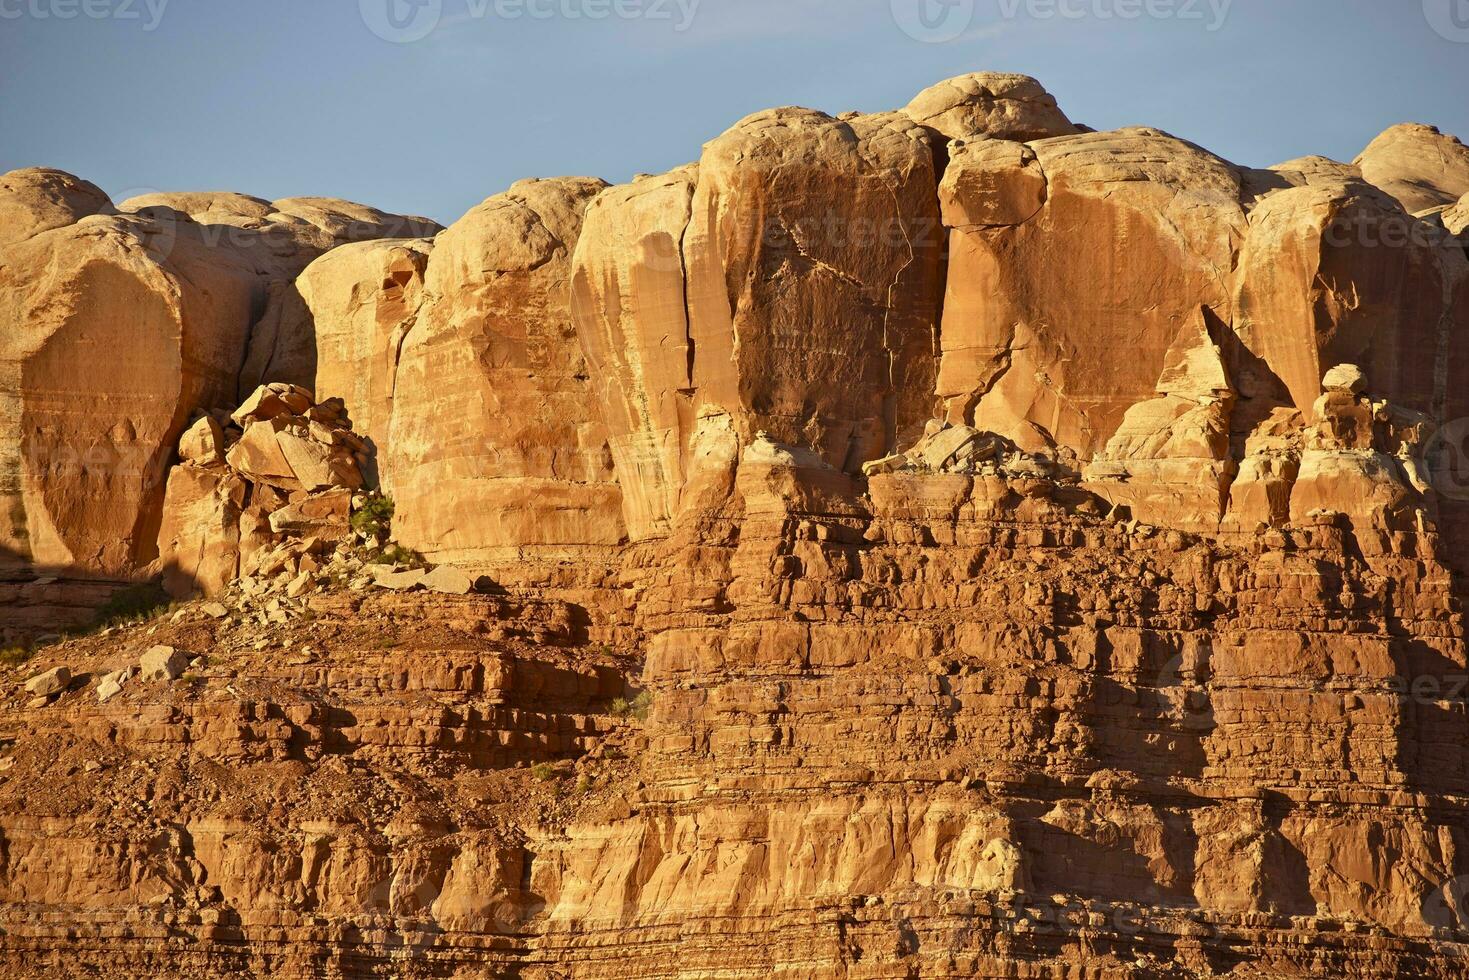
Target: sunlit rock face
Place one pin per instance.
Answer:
(938, 543)
(119, 324)
(787, 284)
(497, 447)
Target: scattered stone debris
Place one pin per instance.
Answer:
(449, 580)
(280, 468)
(269, 501)
(111, 684)
(947, 448)
(397, 580)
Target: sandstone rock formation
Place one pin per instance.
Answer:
(363, 300)
(284, 466)
(1420, 166)
(1334, 271)
(788, 284)
(111, 333)
(278, 240)
(36, 200)
(495, 449)
(1051, 331)
(120, 323)
(940, 543)
(1169, 461)
(993, 105)
(1456, 219)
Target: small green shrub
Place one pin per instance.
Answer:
(374, 519)
(543, 772)
(14, 656)
(637, 708)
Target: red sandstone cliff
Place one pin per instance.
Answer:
(946, 542)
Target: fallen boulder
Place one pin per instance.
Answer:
(54, 681)
(163, 663)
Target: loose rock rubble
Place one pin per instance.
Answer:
(263, 504)
(259, 488)
(947, 448)
(110, 685)
(162, 663)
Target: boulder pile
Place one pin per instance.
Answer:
(260, 492)
(947, 448)
(262, 504)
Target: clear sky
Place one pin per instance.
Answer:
(282, 98)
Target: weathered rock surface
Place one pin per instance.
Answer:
(118, 324)
(495, 449)
(1420, 166)
(1456, 220)
(364, 299)
(1333, 271)
(199, 536)
(819, 237)
(53, 681)
(290, 469)
(36, 199)
(162, 663)
(111, 333)
(278, 240)
(990, 105)
(1169, 462)
(1051, 331)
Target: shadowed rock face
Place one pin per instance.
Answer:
(1334, 272)
(946, 542)
(363, 300)
(278, 240)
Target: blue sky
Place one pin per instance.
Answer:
(291, 97)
